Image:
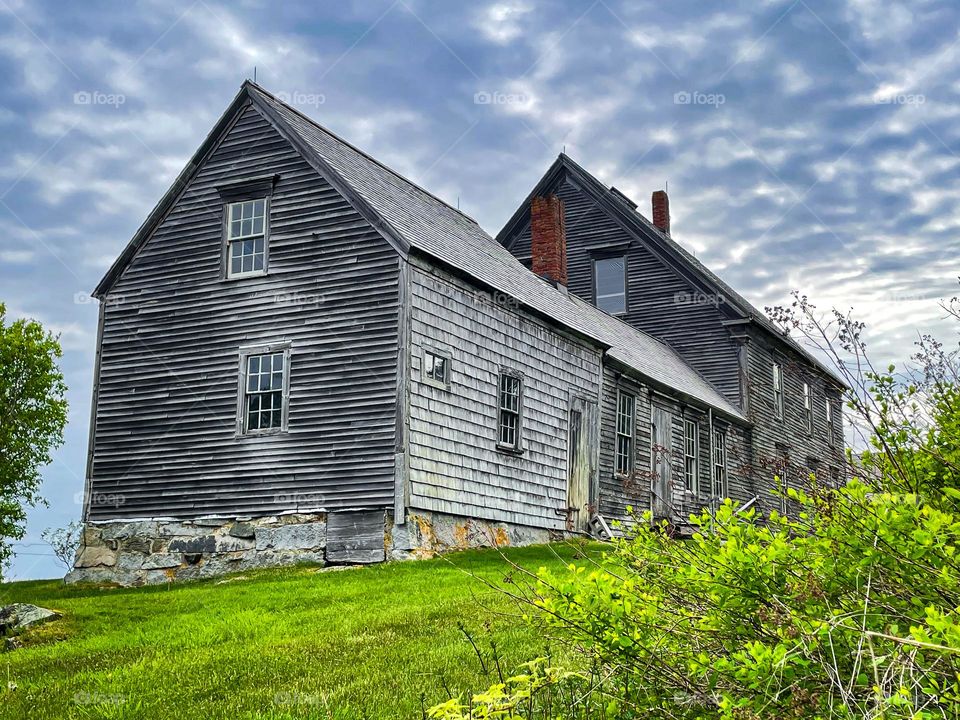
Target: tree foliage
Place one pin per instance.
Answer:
(33, 413)
(849, 608)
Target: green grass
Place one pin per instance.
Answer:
(292, 643)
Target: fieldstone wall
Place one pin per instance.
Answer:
(148, 552)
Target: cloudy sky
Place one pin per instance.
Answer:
(809, 144)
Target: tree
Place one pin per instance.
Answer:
(849, 608)
(33, 413)
(64, 542)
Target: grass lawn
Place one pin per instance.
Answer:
(290, 643)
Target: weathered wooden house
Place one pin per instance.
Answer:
(303, 356)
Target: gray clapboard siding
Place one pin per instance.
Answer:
(617, 493)
(771, 435)
(454, 464)
(656, 294)
(164, 438)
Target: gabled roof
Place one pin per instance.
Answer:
(624, 210)
(412, 218)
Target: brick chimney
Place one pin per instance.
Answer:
(661, 210)
(548, 239)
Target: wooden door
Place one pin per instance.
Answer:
(581, 461)
(661, 433)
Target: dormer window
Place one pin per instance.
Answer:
(246, 238)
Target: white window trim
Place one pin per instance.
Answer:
(632, 436)
(516, 447)
(695, 481)
(778, 391)
(719, 462)
(808, 407)
(445, 383)
(831, 428)
(228, 240)
(266, 349)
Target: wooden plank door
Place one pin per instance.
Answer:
(581, 461)
(661, 422)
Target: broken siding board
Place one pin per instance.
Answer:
(164, 436)
(454, 464)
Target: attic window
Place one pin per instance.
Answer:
(609, 284)
(246, 238)
(436, 368)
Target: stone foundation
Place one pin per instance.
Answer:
(149, 552)
(427, 533)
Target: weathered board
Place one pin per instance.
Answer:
(165, 440)
(355, 537)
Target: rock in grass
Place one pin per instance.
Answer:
(20, 616)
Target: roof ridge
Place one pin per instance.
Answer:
(259, 88)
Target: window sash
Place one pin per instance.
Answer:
(246, 219)
(508, 423)
(719, 463)
(830, 430)
(778, 391)
(691, 448)
(611, 297)
(436, 367)
(246, 229)
(264, 389)
(808, 407)
(626, 423)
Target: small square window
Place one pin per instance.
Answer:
(246, 238)
(436, 368)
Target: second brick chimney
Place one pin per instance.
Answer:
(661, 210)
(548, 240)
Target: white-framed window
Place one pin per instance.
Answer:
(808, 407)
(508, 416)
(246, 228)
(719, 463)
(778, 391)
(626, 423)
(610, 284)
(264, 389)
(831, 432)
(691, 451)
(436, 368)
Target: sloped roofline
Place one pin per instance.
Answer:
(251, 94)
(679, 259)
(246, 96)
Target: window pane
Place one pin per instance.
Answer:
(610, 285)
